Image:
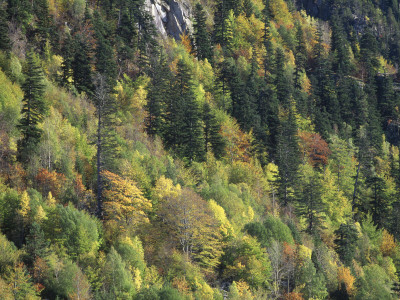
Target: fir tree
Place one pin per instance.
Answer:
(287, 158)
(300, 55)
(184, 131)
(33, 110)
(161, 78)
(68, 58)
(201, 37)
(309, 202)
(81, 68)
(379, 204)
(283, 86)
(105, 60)
(212, 138)
(346, 242)
(5, 43)
(106, 143)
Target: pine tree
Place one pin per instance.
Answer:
(5, 43)
(81, 68)
(283, 86)
(379, 204)
(33, 110)
(287, 158)
(201, 37)
(346, 242)
(309, 202)
(300, 56)
(106, 143)
(68, 57)
(269, 60)
(161, 78)
(44, 23)
(212, 137)
(105, 59)
(184, 131)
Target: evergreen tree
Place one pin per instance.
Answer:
(346, 242)
(287, 158)
(20, 11)
(33, 110)
(212, 137)
(81, 68)
(379, 204)
(106, 143)
(36, 243)
(269, 61)
(44, 24)
(201, 37)
(68, 57)
(223, 8)
(158, 95)
(105, 59)
(184, 131)
(5, 43)
(309, 201)
(339, 47)
(300, 55)
(283, 86)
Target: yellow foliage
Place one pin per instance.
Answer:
(50, 201)
(219, 214)
(281, 12)
(181, 284)
(345, 277)
(244, 289)
(40, 214)
(165, 188)
(25, 208)
(303, 252)
(124, 202)
(388, 245)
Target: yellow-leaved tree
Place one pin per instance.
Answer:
(124, 203)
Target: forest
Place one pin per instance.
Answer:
(254, 157)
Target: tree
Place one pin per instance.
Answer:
(300, 55)
(81, 67)
(201, 37)
(379, 204)
(287, 158)
(33, 110)
(5, 43)
(106, 144)
(123, 201)
(184, 131)
(117, 282)
(21, 284)
(345, 242)
(212, 137)
(157, 97)
(309, 201)
(194, 229)
(105, 58)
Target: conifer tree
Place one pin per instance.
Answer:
(105, 60)
(212, 138)
(33, 110)
(201, 37)
(5, 43)
(379, 204)
(44, 23)
(283, 86)
(81, 67)
(300, 55)
(345, 242)
(68, 56)
(309, 202)
(161, 78)
(106, 143)
(184, 131)
(287, 158)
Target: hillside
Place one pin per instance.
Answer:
(213, 149)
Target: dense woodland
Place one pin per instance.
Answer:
(255, 158)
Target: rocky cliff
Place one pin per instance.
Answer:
(171, 17)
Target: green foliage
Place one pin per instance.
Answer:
(33, 110)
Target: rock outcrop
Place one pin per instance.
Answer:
(171, 17)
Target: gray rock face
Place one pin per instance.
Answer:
(171, 17)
